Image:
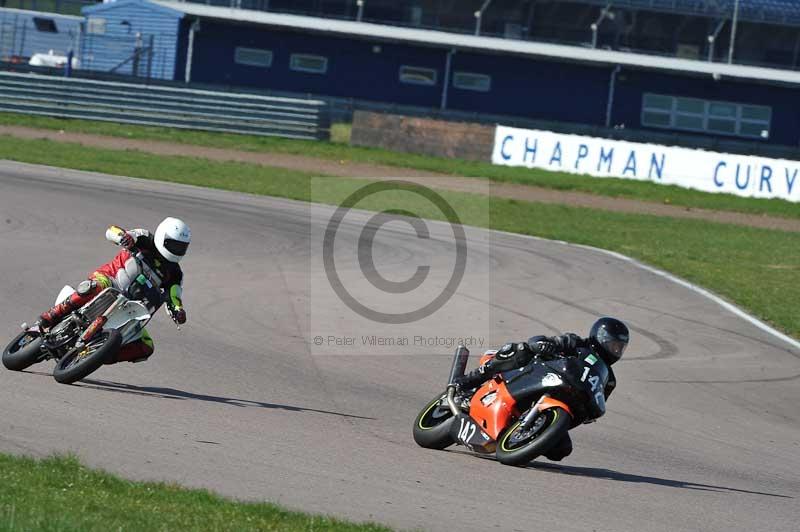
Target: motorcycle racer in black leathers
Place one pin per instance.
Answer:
(607, 338)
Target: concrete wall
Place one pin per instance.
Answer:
(425, 136)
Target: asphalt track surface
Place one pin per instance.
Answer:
(703, 432)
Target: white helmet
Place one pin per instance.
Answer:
(172, 239)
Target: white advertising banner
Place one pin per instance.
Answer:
(743, 175)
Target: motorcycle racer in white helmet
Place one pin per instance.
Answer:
(162, 251)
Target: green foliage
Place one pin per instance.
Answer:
(60, 494)
(339, 150)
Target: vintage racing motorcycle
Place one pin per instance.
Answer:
(519, 414)
(93, 334)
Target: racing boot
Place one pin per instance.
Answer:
(561, 450)
(52, 317)
(85, 293)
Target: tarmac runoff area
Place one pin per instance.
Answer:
(703, 432)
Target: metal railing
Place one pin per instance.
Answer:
(164, 106)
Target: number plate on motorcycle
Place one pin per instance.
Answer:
(466, 431)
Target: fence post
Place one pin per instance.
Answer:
(187, 72)
(22, 39)
(448, 64)
(137, 55)
(68, 66)
(150, 56)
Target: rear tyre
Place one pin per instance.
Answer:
(519, 446)
(79, 362)
(23, 351)
(432, 426)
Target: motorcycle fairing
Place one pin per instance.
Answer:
(64, 294)
(575, 380)
(549, 402)
(467, 431)
(492, 406)
(129, 319)
(532, 381)
(487, 356)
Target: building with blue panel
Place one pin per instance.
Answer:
(25, 33)
(438, 70)
(129, 36)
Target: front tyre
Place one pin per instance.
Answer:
(518, 446)
(79, 362)
(432, 426)
(23, 351)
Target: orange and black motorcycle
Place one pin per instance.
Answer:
(519, 414)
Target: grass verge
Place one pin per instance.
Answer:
(755, 268)
(60, 494)
(339, 150)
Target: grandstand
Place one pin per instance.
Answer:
(648, 72)
(766, 31)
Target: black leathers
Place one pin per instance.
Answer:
(519, 354)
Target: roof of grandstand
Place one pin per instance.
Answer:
(13, 11)
(775, 11)
(470, 42)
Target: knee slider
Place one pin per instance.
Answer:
(86, 287)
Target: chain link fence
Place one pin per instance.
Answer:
(137, 51)
(46, 40)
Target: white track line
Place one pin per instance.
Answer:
(677, 280)
(661, 273)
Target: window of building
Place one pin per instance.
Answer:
(708, 116)
(96, 25)
(472, 82)
(316, 64)
(253, 57)
(46, 25)
(417, 75)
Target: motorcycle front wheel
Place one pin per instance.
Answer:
(79, 362)
(432, 426)
(518, 445)
(23, 351)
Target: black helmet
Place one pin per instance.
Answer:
(609, 337)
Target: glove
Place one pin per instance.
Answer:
(127, 241)
(179, 315)
(545, 348)
(470, 380)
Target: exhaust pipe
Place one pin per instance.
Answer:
(459, 363)
(457, 370)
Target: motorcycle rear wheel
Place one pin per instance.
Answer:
(79, 362)
(519, 446)
(432, 426)
(23, 351)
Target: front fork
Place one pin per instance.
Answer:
(100, 321)
(530, 417)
